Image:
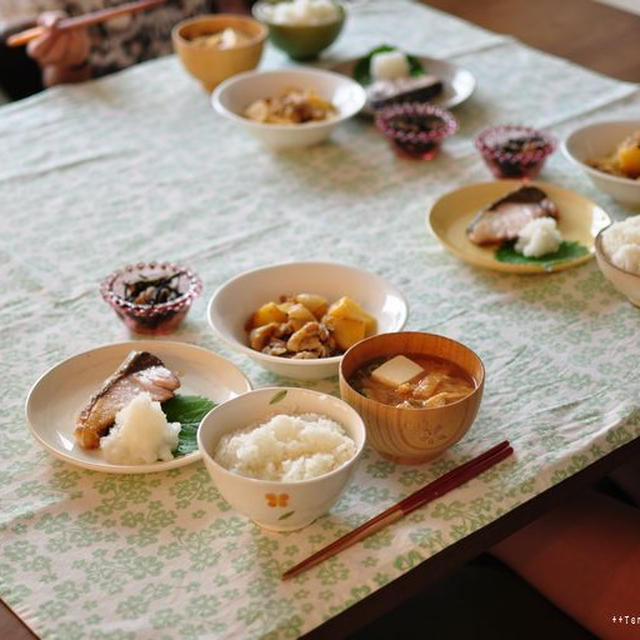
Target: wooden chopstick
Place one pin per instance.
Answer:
(429, 492)
(86, 20)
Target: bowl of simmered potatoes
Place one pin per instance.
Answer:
(609, 153)
(297, 319)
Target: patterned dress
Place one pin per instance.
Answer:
(123, 41)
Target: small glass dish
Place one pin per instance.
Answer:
(415, 129)
(157, 308)
(513, 151)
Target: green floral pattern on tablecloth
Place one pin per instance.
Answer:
(137, 166)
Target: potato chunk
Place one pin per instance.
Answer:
(347, 332)
(345, 307)
(315, 303)
(299, 315)
(629, 158)
(266, 314)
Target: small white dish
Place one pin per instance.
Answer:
(625, 282)
(457, 82)
(598, 140)
(56, 399)
(234, 95)
(273, 505)
(234, 302)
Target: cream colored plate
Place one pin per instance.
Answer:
(58, 396)
(579, 220)
(457, 83)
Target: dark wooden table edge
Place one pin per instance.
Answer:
(444, 562)
(25, 631)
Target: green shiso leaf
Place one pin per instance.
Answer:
(566, 251)
(188, 411)
(362, 71)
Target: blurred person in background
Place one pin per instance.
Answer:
(74, 56)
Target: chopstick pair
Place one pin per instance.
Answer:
(433, 490)
(86, 20)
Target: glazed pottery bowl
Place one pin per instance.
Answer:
(625, 282)
(274, 505)
(211, 65)
(300, 41)
(598, 140)
(233, 96)
(237, 299)
(408, 435)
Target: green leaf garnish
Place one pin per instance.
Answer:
(278, 396)
(284, 516)
(566, 251)
(188, 411)
(362, 68)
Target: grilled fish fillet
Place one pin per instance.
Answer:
(140, 371)
(504, 219)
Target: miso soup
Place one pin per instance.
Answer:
(438, 383)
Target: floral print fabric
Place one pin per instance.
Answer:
(137, 166)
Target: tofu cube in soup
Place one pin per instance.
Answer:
(397, 371)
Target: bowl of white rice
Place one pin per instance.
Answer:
(301, 28)
(618, 256)
(281, 455)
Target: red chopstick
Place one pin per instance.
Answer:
(433, 490)
(85, 20)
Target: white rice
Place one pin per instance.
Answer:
(539, 237)
(141, 434)
(389, 65)
(302, 12)
(286, 448)
(621, 244)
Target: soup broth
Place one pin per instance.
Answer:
(440, 383)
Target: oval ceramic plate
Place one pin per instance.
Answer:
(579, 220)
(458, 83)
(57, 397)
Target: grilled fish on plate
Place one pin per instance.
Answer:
(140, 371)
(503, 220)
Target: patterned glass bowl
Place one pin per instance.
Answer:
(157, 318)
(415, 129)
(512, 151)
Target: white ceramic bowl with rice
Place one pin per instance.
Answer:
(597, 140)
(272, 504)
(237, 299)
(618, 256)
(234, 95)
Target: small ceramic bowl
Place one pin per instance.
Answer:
(626, 282)
(278, 506)
(300, 41)
(211, 65)
(598, 140)
(512, 151)
(152, 319)
(412, 436)
(233, 96)
(415, 129)
(234, 302)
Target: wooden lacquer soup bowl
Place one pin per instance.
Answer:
(408, 435)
